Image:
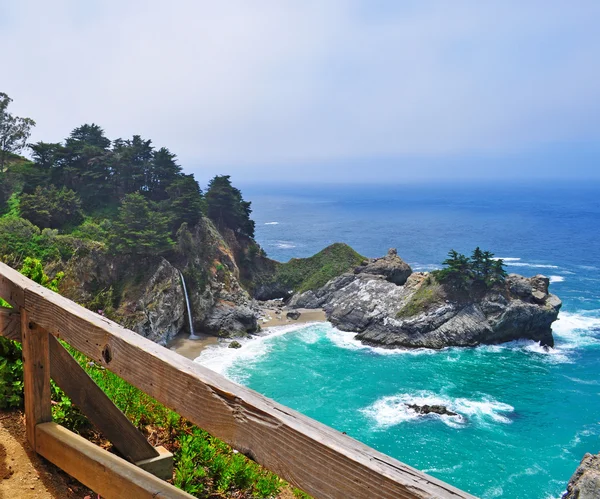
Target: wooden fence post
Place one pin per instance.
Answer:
(36, 376)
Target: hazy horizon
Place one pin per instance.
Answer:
(342, 91)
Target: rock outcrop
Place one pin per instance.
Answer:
(161, 307)
(421, 313)
(585, 482)
(431, 409)
(146, 295)
(391, 267)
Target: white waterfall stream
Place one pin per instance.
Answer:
(189, 310)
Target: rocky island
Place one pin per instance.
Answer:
(388, 305)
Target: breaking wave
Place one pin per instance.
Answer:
(394, 410)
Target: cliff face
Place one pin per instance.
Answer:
(387, 305)
(585, 482)
(147, 296)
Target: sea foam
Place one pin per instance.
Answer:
(393, 410)
(285, 245)
(576, 330)
(271, 223)
(532, 265)
(221, 359)
(347, 341)
(556, 278)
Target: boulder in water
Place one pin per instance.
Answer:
(235, 344)
(431, 409)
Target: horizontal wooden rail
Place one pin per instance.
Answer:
(105, 473)
(322, 461)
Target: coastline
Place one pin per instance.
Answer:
(271, 317)
(191, 349)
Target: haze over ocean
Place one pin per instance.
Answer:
(526, 416)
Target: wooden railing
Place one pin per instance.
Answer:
(321, 461)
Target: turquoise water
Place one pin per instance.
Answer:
(526, 416)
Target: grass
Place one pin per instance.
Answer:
(304, 274)
(429, 293)
(204, 465)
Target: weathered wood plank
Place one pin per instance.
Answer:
(96, 405)
(106, 474)
(36, 376)
(10, 324)
(312, 456)
(12, 286)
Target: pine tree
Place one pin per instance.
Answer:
(185, 202)
(140, 230)
(227, 208)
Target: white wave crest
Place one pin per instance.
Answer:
(574, 330)
(221, 359)
(424, 267)
(285, 245)
(393, 410)
(532, 265)
(507, 259)
(556, 278)
(271, 223)
(347, 341)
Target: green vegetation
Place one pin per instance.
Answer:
(90, 187)
(460, 277)
(464, 273)
(227, 208)
(49, 207)
(429, 293)
(14, 131)
(11, 364)
(204, 465)
(138, 229)
(303, 274)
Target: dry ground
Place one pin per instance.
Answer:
(25, 475)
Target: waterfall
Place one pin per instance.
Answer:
(189, 310)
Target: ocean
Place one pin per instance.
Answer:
(526, 416)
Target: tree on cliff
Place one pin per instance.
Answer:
(14, 131)
(185, 202)
(49, 207)
(462, 272)
(139, 229)
(227, 208)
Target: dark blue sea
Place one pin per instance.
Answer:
(527, 416)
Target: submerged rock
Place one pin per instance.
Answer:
(585, 482)
(431, 409)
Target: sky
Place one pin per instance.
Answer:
(325, 90)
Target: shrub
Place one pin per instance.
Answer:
(51, 207)
(303, 274)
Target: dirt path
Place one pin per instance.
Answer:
(25, 475)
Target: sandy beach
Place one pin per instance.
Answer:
(191, 349)
(271, 318)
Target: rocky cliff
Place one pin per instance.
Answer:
(388, 305)
(585, 482)
(146, 294)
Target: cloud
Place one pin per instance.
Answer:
(237, 84)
